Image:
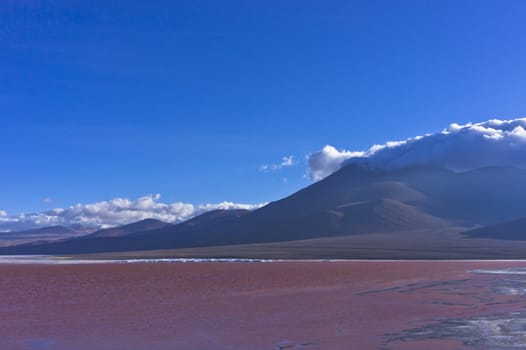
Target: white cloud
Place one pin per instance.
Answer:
(117, 211)
(47, 200)
(328, 160)
(3, 213)
(286, 162)
(226, 206)
(458, 147)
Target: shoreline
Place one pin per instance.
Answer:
(65, 260)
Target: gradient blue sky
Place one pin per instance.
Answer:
(103, 99)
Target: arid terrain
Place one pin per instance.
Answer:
(273, 305)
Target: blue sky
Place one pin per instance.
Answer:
(188, 99)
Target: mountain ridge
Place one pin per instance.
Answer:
(353, 201)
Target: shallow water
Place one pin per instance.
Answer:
(503, 330)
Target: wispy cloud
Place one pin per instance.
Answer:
(117, 211)
(286, 162)
(458, 147)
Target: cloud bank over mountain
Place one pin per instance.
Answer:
(458, 147)
(117, 211)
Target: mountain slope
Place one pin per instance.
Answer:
(510, 230)
(386, 215)
(124, 230)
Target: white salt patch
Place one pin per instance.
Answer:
(508, 271)
(45, 259)
(193, 260)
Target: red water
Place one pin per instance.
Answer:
(292, 305)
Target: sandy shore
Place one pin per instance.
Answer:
(278, 305)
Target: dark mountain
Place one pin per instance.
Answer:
(511, 230)
(125, 230)
(353, 201)
(483, 196)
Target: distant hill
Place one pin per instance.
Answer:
(55, 230)
(48, 233)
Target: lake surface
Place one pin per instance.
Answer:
(272, 305)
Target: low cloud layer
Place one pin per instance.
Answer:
(114, 212)
(459, 147)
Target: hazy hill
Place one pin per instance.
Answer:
(55, 230)
(48, 233)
